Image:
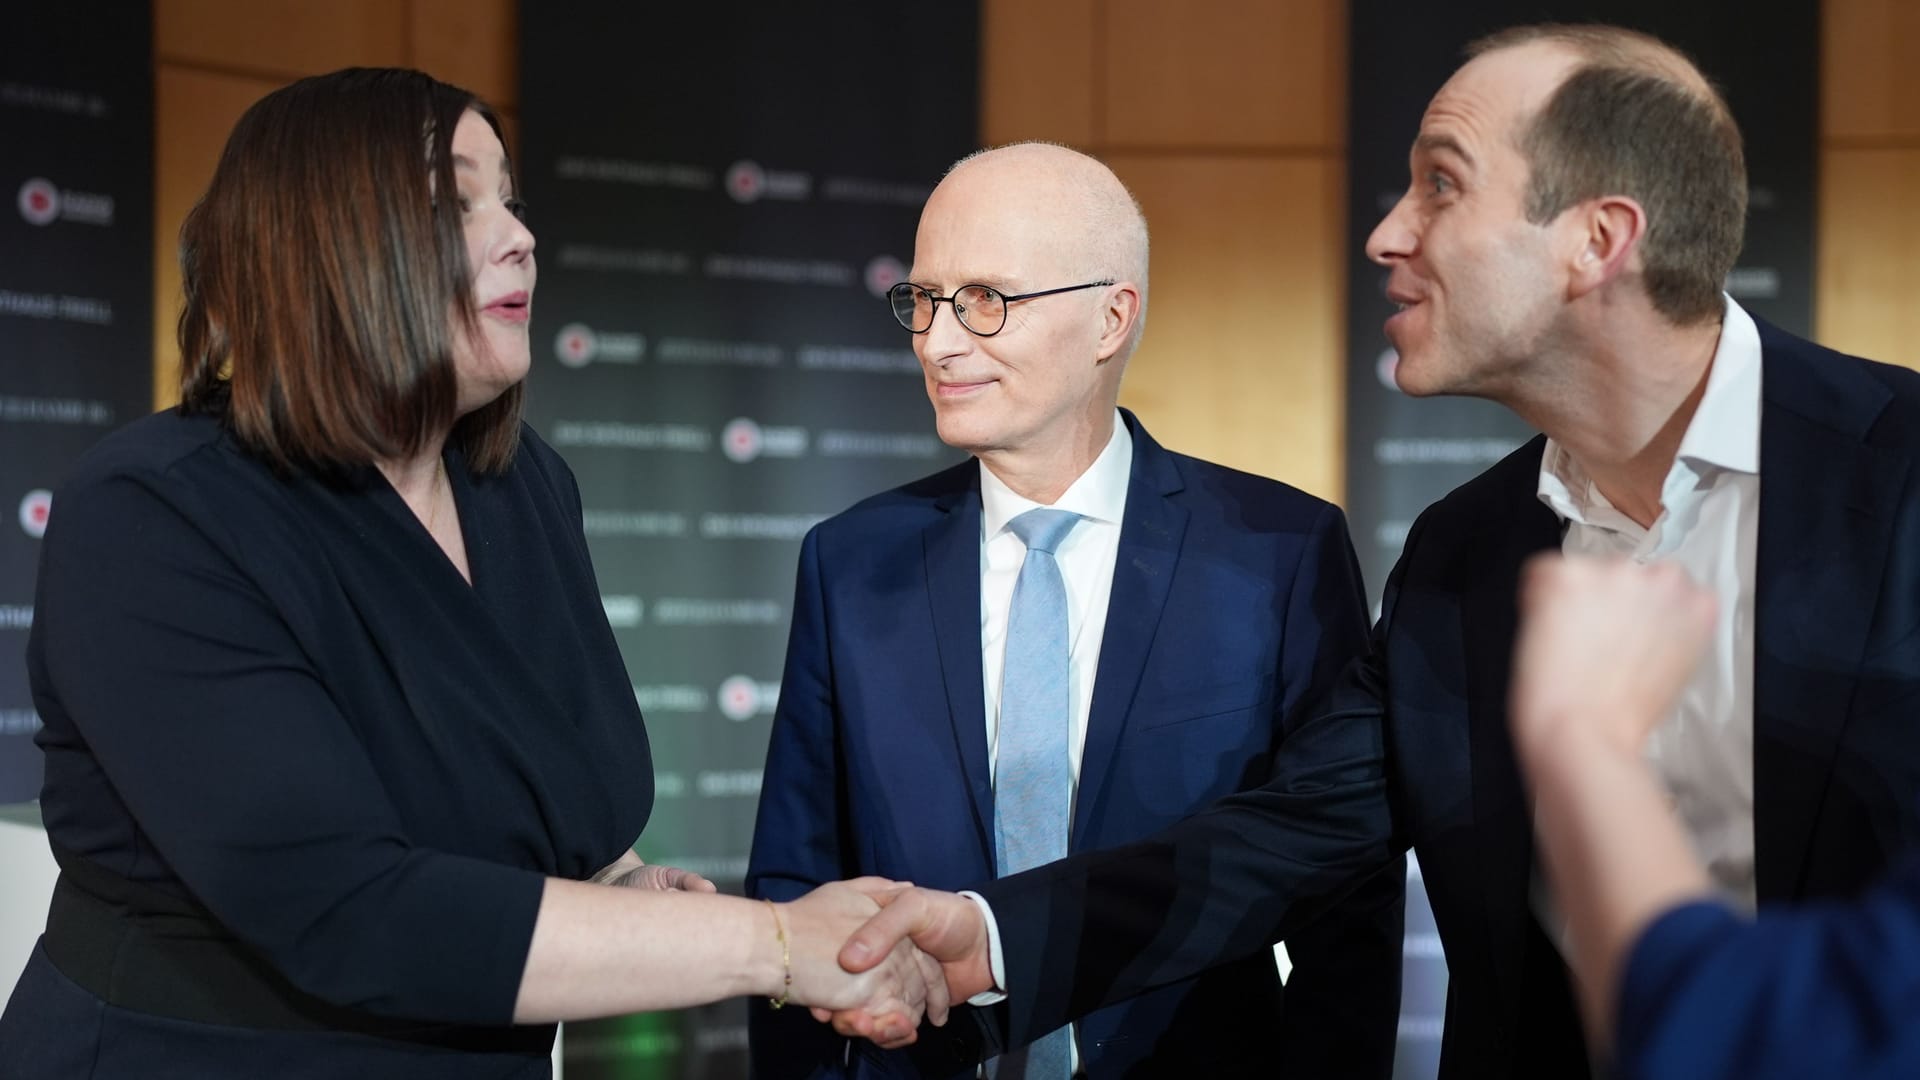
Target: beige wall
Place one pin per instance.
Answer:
(1228, 122)
(1867, 281)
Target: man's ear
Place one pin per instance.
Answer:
(1609, 232)
(1118, 315)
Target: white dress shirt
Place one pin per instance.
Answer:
(1086, 558)
(1708, 525)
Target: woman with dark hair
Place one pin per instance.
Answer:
(341, 759)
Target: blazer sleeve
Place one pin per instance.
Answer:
(1258, 866)
(798, 833)
(1342, 1011)
(1823, 990)
(224, 745)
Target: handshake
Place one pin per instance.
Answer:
(872, 956)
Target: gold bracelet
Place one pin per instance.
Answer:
(786, 958)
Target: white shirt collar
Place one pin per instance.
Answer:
(1724, 432)
(1100, 493)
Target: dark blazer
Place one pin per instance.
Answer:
(1824, 990)
(306, 766)
(1235, 600)
(1412, 746)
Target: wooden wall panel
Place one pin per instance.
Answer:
(1227, 118)
(194, 112)
(1868, 269)
(1241, 363)
(472, 44)
(1870, 70)
(289, 38)
(1037, 71)
(1266, 74)
(1867, 232)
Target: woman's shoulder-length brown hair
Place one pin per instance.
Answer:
(323, 278)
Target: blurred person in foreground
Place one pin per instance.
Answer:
(1674, 979)
(935, 726)
(1577, 198)
(343, 769)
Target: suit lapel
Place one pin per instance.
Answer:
(1151, 531)
(1826, 523)
(952, 548)
(1503, 825)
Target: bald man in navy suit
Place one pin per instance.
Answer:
(1204, 608)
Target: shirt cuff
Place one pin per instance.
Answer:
(994, 958)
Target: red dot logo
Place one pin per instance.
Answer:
(575, 345)
(741, 440)
(39, 201)
(746, 181)
(883, 273)
(35, 509)
(739, 698)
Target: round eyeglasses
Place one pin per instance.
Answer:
(982, 309)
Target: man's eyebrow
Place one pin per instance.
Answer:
(997, 282)
(1433, 143)
(1000, 283)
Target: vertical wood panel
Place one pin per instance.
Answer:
(1870, 69)
(1242, 359)
(472, 44)
(1266, 74)
(1867, 231)
(280, 37)
(194, 112)
(1037, 71)
(1868, 266)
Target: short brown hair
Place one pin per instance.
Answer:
(322, 276)
(1627, 122)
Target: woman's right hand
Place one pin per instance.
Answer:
(896, 992)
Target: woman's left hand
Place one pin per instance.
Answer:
(664, 877)
(632, 872)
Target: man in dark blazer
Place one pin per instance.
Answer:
(1206, 607)
(1578, 197)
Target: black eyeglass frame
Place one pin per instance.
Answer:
(1005, 299)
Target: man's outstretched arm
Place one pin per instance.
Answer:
(1103, 926)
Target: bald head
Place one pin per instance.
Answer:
(1598, 45)
(1030, 391)
(1045, 213)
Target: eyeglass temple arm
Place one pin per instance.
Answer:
(1050, 292)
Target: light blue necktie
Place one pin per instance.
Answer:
(1032, 777)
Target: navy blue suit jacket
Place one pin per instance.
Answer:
(1412, 747)
(1235, 600)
